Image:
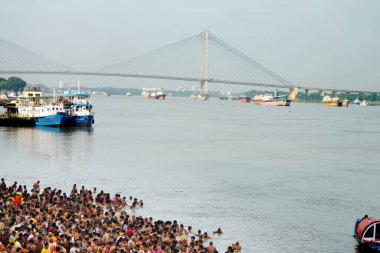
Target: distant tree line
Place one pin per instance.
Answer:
(12, 84)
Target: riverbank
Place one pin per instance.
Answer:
(87, 220)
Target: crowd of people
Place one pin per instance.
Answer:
(88, 221)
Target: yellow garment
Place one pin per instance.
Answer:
(17, 244)
(44, 250)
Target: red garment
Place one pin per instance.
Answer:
(130, 232)
(17, 201)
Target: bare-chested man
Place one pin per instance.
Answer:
(211, 248)
(237, 247)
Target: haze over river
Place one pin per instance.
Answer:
(276, 179)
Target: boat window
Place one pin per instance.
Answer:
(369, 233)
(377, 232)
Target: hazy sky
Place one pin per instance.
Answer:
(323, 43)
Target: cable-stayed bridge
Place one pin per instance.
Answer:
(202, 58)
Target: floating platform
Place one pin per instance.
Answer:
(17, 122)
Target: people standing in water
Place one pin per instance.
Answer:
(36, 187)
(49, 221)
(236, 247)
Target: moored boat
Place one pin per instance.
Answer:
(153, 93)
(367, 232)
(329, 101)
(79, 108)
(199, 97)
(277, 102)
(344, 103)
(32, 105)
(51, 115)
(160, 95)
(257, 99)
(357, 101)
(273, 100)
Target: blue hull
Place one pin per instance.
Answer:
(81, 121)
(57, 120)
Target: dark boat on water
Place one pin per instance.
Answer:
(367, 233)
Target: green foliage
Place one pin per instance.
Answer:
(12, 84)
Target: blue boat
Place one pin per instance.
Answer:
(79, 108)
(57, 120)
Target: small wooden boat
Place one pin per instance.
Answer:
(367, 232)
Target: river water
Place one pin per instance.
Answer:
(276, 179)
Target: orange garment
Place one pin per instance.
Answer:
(17, 201)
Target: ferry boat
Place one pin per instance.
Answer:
(257, 99)
(367, 232)
(153, 93)
(200, 97)
(79, 108)
(128, 94)
(277, 102)
(328, 101)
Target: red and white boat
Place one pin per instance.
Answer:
(367, 232)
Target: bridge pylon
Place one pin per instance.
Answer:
(204, 66)
(293, 92)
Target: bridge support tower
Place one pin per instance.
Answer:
(204, 70)
(293, 92)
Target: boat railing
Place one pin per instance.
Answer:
(75, 92)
